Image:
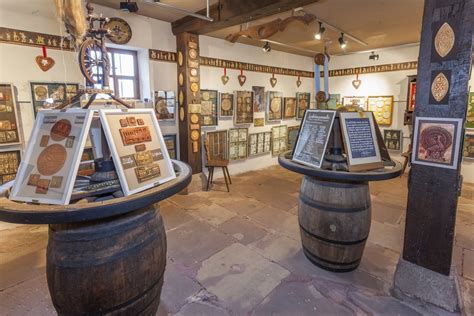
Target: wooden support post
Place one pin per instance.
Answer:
(189, 100)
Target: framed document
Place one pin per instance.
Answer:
(238, 143)
(292, 136)
(9, 131)
(468, 151)
(9, 163)
(243, 107)
(226, 105)
(313, 139)
(258, 99)
(217, 145)
(436, 141)
(171, 146)
(470, 111)
(382, 107)
(274, 106)
(359, 102)
(259, 143)
(393, 139)
(289, 108)
(360, 141)
(303, 100)
(48, 95)
(165, 105)
(138, 149)
(208, 108)
(48, 169)
(279, 139)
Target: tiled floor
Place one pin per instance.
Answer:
(240, 253)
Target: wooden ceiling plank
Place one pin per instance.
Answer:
(235, 12)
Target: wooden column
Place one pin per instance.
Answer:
(189, 100)
(433, 191)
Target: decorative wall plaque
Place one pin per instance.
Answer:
(217, 144)
(165, 105)
(411, 95)
(258, 99)
(208, 108)
(355, 101)
(279, 139)
(440, 84)
(9, 162)
(393, 139)
(243, 107)
(303, 100)
(48, 95)
(259, 143)
(445, 46)
(436, 142)
(137, 170)
(120, 31)
(238, 143)
(292, 136)
(49, 168)
(470, 111)
(226, 105)
(289, 108)
(9, 131)
(170, 141)
(382, 107)
(274, 106)
(468, 150)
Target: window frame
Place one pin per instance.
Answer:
(115, 78)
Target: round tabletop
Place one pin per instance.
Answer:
(25, 213)
(344, 176)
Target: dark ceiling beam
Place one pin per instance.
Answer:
(228, 13)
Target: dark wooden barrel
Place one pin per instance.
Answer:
(113, 266)
(334, 222)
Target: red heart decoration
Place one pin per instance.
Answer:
(45, 63)
(242, 79)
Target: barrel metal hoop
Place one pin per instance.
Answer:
(313, 258)
(329, 208)
(336, 183)
(336, 242)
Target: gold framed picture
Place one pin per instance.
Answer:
(382, 107)
(289, 107)
(243, 107)
(9, 129)
(274, 106)
(209, 108)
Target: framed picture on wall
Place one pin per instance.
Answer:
(355, 101)
(393, 139)
(436, 141)
(226, 105)
(49, 167)
(243, 107)
(170, 141)
(411, 93)
(9, 130)
(279, 139)
(303, 100)
(382, 107)
(138, 149)
(260, 143)
(238, 143)
(48, 95)
(333, 103)
(165, 105)
(289, 108)
(217, 145)
(274, 106)
(9, 163)
(258, 99)
(470, 111)
(292, 136)
(209, 107)
(468, 150)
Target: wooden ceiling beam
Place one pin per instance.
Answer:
(228, 13)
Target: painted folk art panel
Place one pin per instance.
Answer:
(243, 107)
(279, 139)
(209, 103)
(9, 162)
(382, 107)
(259, 143)
(217, 143)
(274, 105)
(238, 143)
(9, 131)
(165, 105)
(48, 95)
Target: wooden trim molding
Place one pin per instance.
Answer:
(410, 65)
(27, 38)
(162, 55)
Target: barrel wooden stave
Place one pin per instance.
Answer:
(113, 266)
(334, 222)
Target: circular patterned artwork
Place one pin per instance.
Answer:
(205, 96)
(51, 160)
(41, 93)
(444, 40)
(275, 105)
(193, 72)
(60, 130)
(180, 58)
(194, 118)
(181, 79)
(120, 31)
(435, 140)
(226, 105)
(194, 135)
(440, 87)
(194, 87)
(192, 53)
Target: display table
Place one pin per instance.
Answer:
(334, 213)
(104, 257)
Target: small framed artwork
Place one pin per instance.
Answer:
(279, 139)
(49, 167)
(333, 103)
(382, 107)
(470, 111)
(226, 105)
(274, 106)
(303, 100)
(138, 149)
(289, 108)
(48, 95)
(258, 99)
(292, 136)
(359, 102)
(209, 107)
(238, 143)
(259, 121)
(360, 141)
(9, 131)
(411, 93)
(393, 139)
(9, 163)
(260, 143)
(243, 107)
(165, 105)
(217, 145)
(436, 142)
(171, 146)
(468, 150)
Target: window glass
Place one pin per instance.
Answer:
(126, 88)
(124, 64)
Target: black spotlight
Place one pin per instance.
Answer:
(319, 35)
(374, 56)
(128, 6)
(342, 42)
(267, 48)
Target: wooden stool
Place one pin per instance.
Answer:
(212, 163)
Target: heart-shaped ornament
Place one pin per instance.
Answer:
(356, 83)
(273, 82)
(45, 63)
(298, 83)
(225, 79)
(242, 79)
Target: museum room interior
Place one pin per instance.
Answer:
(236, 157)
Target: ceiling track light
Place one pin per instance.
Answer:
(373, 56)
(128, 6)
(342, 42)
(267, 48)
(320, 33)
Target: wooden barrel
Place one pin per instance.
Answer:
(334, 220)
(113, 266)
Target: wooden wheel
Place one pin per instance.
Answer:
(93, 61)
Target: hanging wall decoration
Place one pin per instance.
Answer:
(357, 82)
(243, 107)
(303, 100)
(209, 108)
(470, 112)
(165, 105)
(224, 77)
(120, 31)
(273, 80)
(440, 84)
(49, 95)
(258, 99)
(227, 105)
(238, 143)
(44, 62)
(9, 162)
(274, 105)
(242, 78)
(382, 107)
(9, 129)
(298, 82)
(289, 108)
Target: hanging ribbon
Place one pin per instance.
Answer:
(44, 51)
(321, 60)
(225, 71)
